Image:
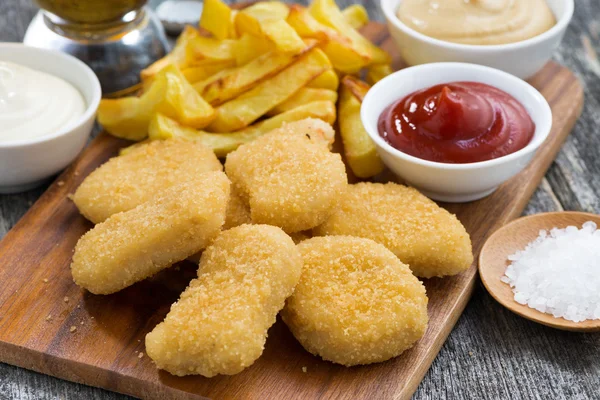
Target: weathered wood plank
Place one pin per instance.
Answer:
(511, 357)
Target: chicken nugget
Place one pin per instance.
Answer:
(219, 325)
(288, 178)
(136, 244)
(316, 128)
(423, 235)
(127, 181)
(356, 302)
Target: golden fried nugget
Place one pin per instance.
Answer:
(129, 180)
(423, 235)
(316, 128)
(356, 303)
(136, 244)
(288, 178)
(219, 325)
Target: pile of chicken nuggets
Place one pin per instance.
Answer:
(279, 232)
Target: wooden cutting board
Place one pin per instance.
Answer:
(49, 325)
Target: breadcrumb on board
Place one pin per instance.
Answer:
(423, 235)
(124, 182)
(288, 177)
(136, 244)
(356, 303)
(219, 324)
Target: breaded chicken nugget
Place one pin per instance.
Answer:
(136, 244)
(288, 178)
(356, 303)
(423, 235)
(219, 325)
(316, 128)
(129, 180)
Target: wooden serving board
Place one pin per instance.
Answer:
(40, 305)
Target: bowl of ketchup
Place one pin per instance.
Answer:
(455, 131)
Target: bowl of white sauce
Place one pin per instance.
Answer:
(48, 102)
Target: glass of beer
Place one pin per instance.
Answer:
(116, 38)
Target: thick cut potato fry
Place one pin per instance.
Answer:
(250, 47)
(344, 56)
(356, 16)
(357, 87)
(216, 18)
(327, 80)
(268, 19)
(162, 127)
(205, 68)
(230, 83)
(359, 150)
(213, 49)
(304, 96)
(170, 94)
(181, 55)
(247, 108)
(328, 13)
(377, 72)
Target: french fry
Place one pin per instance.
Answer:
(170, 94)
(359, 150)
(268, 19)
(356, 16)
(205, 68)
(304, 96)
(328, 13)
(344, 55)
(247, 108)
(216, 18)
(357, 87)
(227, 84)
(211, 48)
(181, 54)
(327, 80)
(162, 127)
(377, 72)
(249, 47)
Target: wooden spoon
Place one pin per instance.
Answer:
(514, 236)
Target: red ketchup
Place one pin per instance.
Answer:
(459, 122)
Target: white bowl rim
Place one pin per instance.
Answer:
(561, 24)
(543, 129)
(89, 112)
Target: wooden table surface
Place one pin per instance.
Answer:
(491, 353)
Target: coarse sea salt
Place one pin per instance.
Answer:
(559, 273)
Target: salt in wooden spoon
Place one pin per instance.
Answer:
(514, 236)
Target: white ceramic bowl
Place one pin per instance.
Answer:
(25, 164)
(522, 59)
(454, 182)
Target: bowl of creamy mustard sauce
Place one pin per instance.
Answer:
(478, 22)
(48, 101)
(516, 36)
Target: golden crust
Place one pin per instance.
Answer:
(219, 325)
(356, 303)
(134, 245)
(423, 235)
(288, 178)
(129, 180)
